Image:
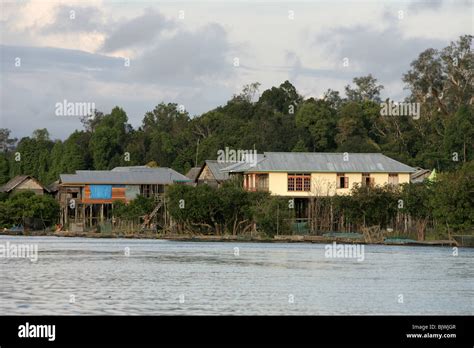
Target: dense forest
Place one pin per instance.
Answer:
(277, 119)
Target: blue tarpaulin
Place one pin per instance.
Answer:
(101, 191)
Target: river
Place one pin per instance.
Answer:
(86, 276)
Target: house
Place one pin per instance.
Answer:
(211, 173)
(420, 175)
(192, 174)
(88, 196)
(302, 175)
(22, 183)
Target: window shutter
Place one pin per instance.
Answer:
(346, 182)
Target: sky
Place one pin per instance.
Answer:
(198, 54)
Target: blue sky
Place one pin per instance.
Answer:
(184, 52)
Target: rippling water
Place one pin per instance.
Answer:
(94, 276)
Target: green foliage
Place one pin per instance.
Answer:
(366, 89)
(460, 134)
(21, 206)
(368, 206)
(137, 208)
(452, 200)
(271, 215)
(415, 199)
(4, 168)
(320, 120)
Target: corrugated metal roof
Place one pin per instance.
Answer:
(323, 162)
(131, 176)
(215, 168)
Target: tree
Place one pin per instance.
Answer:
(320, 119)
(443, 80)
(34, 156)
(366, 89)
(352, 134)
(4, 169)
(453, 199)
(280, 99)
(6, 143)
(459, 135)
(108, 139)
(20, 207)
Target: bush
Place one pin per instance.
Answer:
(27, 205)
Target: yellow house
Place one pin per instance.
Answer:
(303, 174)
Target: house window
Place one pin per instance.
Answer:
(147, 190)
(342, 181)
(291, 183)
(367, 180)
(262, 182)
(299, 182)
(393, 179)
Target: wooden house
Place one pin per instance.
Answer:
(88, 196)
(211, 173)
(21, 183)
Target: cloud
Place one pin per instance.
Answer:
(187, 58)
(69, 19)
(50, 59)
(137, 31)
(190, 61)
(387, 54)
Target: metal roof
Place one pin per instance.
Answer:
(420, 175)
(322, 162)
(122, 175)
(193, 173)
(215, 168)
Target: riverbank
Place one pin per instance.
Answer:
(231, 238)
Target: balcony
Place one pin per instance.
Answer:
(256, 182)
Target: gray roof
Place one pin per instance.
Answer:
(17, 180)
(193, 173)
(124, 176)
(215, 168)
(322, 162)
(420, 175)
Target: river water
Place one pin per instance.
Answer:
(154, 277)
